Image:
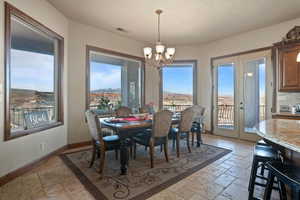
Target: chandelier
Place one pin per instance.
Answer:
(162, 55)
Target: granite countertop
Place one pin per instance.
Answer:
(287, 114)
(281, 131)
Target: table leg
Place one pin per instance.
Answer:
(123, 157)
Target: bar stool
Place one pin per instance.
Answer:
(262, 142)
(262, 154)
(286, 174)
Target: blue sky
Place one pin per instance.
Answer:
(31, 71)
(226, 80)
(105, 76)
(178, 79)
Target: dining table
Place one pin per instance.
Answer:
(127, 129)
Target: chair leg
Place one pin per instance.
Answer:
(173, 141)
(193, 134)
(151, 152)
(166, 150)
(295, 193)
(178, 145)
(102, 160)
(282, 190)
(134, 151)
(130, 151)
(93, 156)
(116, 154)
(188, 142)
(252, 178)
(268, 190)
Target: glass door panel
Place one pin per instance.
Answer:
(225, 96)
(225, 109)
(254, 94)
(242, 94)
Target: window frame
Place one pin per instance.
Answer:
(11, 11)
(194, 64)
(108, 52)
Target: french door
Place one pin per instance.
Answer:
(242, 94)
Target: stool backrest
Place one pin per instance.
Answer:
(162, 121)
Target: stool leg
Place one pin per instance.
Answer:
(282, 190)
(268, 190)
(252, 178)
(262, 171)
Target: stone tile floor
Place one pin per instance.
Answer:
(225, 179)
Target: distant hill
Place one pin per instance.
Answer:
(31, 98)
(107, 90)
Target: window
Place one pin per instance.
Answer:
(33, 75)
(178, 83)
(114, 80)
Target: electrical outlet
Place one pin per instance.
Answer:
(43, 146)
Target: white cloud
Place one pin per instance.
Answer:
(110, 79)
(32, 70)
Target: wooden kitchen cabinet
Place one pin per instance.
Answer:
(288, 69)
(284, 58)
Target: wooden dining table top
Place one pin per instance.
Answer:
(128, 125)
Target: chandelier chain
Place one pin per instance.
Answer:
(159, 27)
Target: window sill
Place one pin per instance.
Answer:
(18, 134)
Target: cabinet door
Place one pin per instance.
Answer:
(289, 70)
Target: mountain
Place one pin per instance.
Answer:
(31, 98)
(107, 90)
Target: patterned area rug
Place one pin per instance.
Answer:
(141, 181)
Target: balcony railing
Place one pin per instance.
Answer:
(226, 114)
(176, 108)
(17, 115)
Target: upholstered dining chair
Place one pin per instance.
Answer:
(158, 135)
(146, 109)
(123, 111)
(185, 125)
(100, 143)
(198, 122)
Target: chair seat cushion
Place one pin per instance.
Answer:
(144, 139)
(111, 138)
(174, 131)
(195, 129)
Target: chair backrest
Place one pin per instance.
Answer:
(162, 121)
(198, 113)
(123, 111)
(144, 109)
(94, 125)
(186, 120)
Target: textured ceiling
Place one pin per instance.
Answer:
(183, 21)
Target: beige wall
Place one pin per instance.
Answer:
(21, 151)
(80, 36)
(18, 152)
(202, 53)
(242, 42)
